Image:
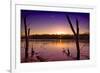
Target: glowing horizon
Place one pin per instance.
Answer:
(49, 22)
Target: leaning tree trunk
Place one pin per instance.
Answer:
(76, 35)
(26, 38)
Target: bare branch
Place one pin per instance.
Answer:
(72, 28)
(28, 32)
(77, 25)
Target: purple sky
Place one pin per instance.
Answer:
(49, 22)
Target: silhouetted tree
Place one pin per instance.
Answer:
(76, 35)
(27, 32)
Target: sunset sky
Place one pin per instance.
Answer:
(50, 22)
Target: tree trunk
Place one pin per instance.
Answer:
(76, 35)
(26, 38)
(78, 48)
(77, 40)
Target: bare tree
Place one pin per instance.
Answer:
(27, 32)
(76, 35)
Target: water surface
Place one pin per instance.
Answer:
(52, 50)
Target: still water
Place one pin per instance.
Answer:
(52, 50)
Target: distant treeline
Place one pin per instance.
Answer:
(46, 36)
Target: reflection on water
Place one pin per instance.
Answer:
(52, 50)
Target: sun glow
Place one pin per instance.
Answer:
(60, 32)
